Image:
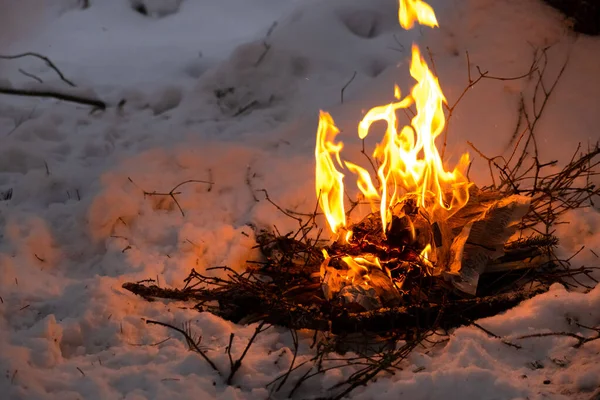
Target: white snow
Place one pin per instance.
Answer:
(216, 92)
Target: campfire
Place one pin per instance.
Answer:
(426, 221)
(432, 251)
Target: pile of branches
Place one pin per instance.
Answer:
(284, 288)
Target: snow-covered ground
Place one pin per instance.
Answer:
(223, 90)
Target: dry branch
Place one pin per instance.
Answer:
(194, 344)
(45, 59)
(47, 93)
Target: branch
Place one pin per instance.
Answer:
(581, 340)
(173, 191)
(346, 85)
(190, 341)
(41, 57)
(47, 93)
(238, 363)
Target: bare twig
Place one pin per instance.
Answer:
(247, 107)
(474, 81)
(345, 86)
(193, 344)
(173, 192)
(581, 340)
(249, 176)
(45, 59)
(30, 75)
(492, 334)
(235, 366)
(97, 104)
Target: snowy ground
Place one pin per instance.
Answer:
(204, 101)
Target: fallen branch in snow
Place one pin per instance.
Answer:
(245, 108)
(266, 45)
(41, 57)
(30, 75)
(345, 86)
(235, 365)
(172, 193)
(581, 340)
(59, 95)
(194, 344)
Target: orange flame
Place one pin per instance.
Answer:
(409, 161)
(411, 11)
(329, 181)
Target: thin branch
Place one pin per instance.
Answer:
(581, 340)
(96, 103)
(172, 193)
(190, 341)
(30, 75)
(45, 59)
(345, 86)
(235, 366)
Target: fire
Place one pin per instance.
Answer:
(411, 11)
(409, 163)
(330, 184)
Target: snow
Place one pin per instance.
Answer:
(205, 100)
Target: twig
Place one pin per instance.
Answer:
(346, 85)
(492, 334)
(260, 59)
(172, 193)
(193, 344)
(472, 82)
(97, 104)
(29, 75)
(235, 366)
(247, 107)
(41, 57)
(294, 334)
(249, 177)
(581, 340)
(82, 373)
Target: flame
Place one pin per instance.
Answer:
(411, 11)
(329, 181)
(409, 161)
(359, 267)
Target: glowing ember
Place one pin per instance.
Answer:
(410, 165)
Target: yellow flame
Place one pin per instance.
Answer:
(410, 163)
(408, 158)
(329, 181)
(426, 252)
(359, 267)
(411, 11)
